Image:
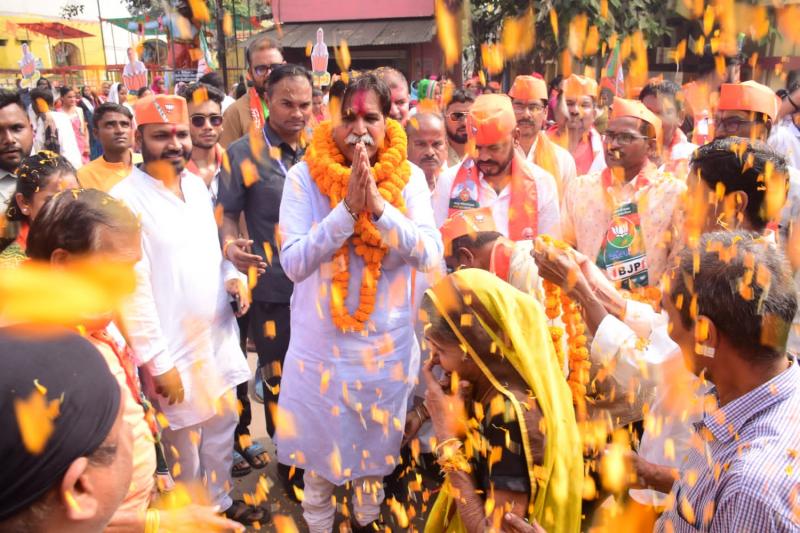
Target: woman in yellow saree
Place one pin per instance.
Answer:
(514, 447)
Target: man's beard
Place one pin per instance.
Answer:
(458, 138)
(150, 157)
(501, 167)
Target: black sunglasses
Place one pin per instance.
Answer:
(198, 121)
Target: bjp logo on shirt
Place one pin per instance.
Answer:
(621, 232)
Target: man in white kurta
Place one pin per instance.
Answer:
(344, 394)
(179, 320)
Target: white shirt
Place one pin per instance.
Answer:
(66, 137)
(180, 315)
(8, 186)
(226, 102)
(564, 159)
(546, 195)
(643, 359)
(785, 139)
(344, 395)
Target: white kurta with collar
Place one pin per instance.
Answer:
(180, 313)
(549, 221)
(343, 396)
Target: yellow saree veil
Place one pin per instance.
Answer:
(517, 325)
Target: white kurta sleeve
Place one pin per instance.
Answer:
(307, 243)
(143, 325)
(633, 360)
(415, 236)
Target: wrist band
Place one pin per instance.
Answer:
(225, 246)
(796, 107)
(355, 217)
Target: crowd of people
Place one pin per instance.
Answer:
(544, 309)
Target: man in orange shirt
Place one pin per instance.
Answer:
(113, 127)
(578, 134)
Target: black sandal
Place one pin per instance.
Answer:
(245, 514)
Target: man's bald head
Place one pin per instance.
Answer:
(427, 144)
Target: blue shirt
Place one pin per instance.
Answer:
(743, 471)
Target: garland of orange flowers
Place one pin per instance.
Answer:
(327, 167)
(557, 303)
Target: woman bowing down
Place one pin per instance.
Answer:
(508, 440)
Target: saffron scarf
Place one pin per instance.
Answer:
(258, 110)
(523, 210)
(517, 325)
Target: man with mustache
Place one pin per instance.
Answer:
(427, 145)
(628, 216)
(259, 163)
(16, 141)
(577, 134)
(523, 197)
(261, 56)
(113, 127)
(179, 320)
(529, 99)
(355, 221)
(455, 113)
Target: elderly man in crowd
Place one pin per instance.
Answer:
(427, 145)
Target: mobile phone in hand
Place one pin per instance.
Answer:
(236, 304)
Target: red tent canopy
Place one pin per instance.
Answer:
(56, 30)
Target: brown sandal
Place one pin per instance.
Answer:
(246, 514)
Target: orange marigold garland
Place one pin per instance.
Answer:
(557, 303)
(392, 171)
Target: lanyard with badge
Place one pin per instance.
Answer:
(279, 159)
(622, 253)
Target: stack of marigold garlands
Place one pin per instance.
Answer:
(328, 170)
(557, 303)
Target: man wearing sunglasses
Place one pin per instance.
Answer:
(628, 217)
(262, 55)
(205, 126)
(455, 124)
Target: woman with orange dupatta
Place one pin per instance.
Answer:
(507, 440)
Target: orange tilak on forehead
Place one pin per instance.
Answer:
(359, 103)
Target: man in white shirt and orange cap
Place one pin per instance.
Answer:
(522, 196)
(627, 217)
(179, 319)
(578, 134)
(529, 99)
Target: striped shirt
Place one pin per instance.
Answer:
(743, 470)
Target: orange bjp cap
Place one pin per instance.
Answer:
(622, 107)
(528, 88)
(491, 119)
(577, 86)
(749, 96)
(466, 222)
(161, 109)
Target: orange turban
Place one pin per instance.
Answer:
(162, 109)
(577, 86)
(467, 222)
(622, 107)
(491, 119)
(749, 96)
(528, 88)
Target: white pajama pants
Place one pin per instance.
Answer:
(318, 508)
(204, 454)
